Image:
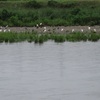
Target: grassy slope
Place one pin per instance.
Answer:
(51, 16)
(40, 38)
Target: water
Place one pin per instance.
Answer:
(66, 71)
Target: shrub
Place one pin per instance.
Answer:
(4, 14)
(70, 4)
(53, 3)
(33, 4)
(75, 11)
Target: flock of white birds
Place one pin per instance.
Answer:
(62, 29)
(4, 29)
(7, 29)
(73, 30)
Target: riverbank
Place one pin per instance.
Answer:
(55, 29)
(11, 37)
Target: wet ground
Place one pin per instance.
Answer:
(56, 29)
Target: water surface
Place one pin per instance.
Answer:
(52, 71)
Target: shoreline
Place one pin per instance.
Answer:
(54, 29)
(11, 37)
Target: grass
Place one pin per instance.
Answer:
(10, 37)
(61, 12)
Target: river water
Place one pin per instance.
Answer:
(51, 71)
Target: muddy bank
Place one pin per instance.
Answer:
(50, 29)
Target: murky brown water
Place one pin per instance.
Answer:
(67, 71)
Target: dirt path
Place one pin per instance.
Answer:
(58, 29)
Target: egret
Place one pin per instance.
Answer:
(6, 27)
(8, 30)
(0, 30)
(37, 26)
(81, 30)
(40, 24)
(73, 30)
(89, 28)
(62, 29)
(94, 30)
(4, 30)
(44, 30)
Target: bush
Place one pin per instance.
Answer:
(53, 3)
(33, 4)
(15, 21)
(70, 5)
(56, 14)
(4, 14)
(75, 11)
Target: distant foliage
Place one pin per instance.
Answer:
(51, 13)
(69, 4)
(4, 14)
(53, 3)
(75, 11)
(33, 4)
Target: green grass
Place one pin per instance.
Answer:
(61, 12)
(9, 37)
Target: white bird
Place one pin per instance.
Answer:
(89, 28)
(8, 30)
(73, 30)
(62, 29)
(37, 25)
(6, 26)
(94, 30)
(0, 30)
(44, 28)
(4, 30)
(40, 23)
(81, 30)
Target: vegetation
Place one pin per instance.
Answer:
(9, 37)
(54, 13)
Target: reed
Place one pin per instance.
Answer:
(40, 38)
(77, 36)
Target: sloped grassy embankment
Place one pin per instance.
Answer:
(51, 12)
